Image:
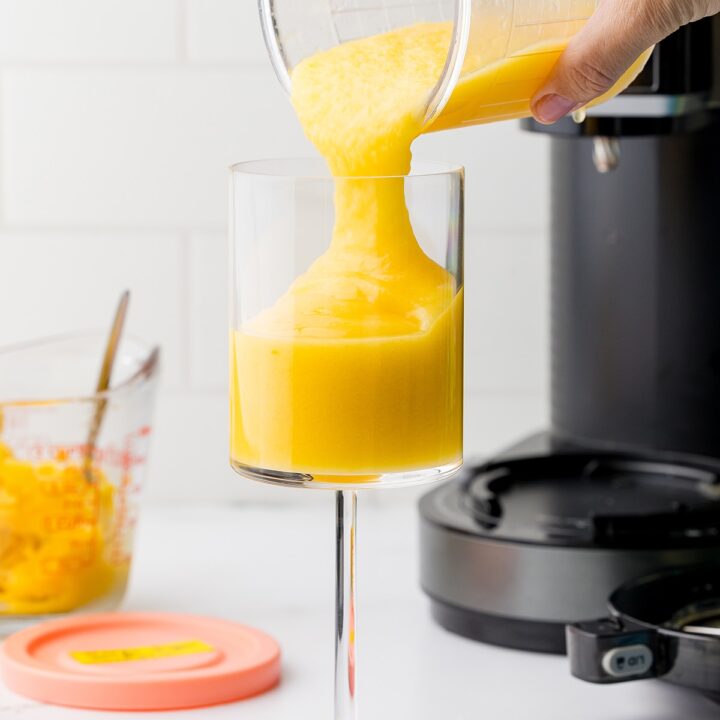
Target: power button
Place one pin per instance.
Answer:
(628, 661)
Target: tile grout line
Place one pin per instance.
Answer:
(184, 305)
(496, 231)
(181, 61)
(2, 150)
(101, 65)
(487, 392)
(518, 393)
(181, 31)
(73, 229)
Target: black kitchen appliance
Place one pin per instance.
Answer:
(626, 482)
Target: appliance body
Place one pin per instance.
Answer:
(635, 373)
(635, 334)
(635, 324)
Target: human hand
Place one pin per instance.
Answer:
(613, 38)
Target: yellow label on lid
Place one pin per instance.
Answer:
(149, 652)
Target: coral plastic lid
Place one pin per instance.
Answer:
(139, 661)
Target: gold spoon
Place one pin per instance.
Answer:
(103, 382)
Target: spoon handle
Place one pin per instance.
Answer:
(103, 382)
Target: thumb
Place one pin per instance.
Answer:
(609, 43)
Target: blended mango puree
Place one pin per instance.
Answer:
(55, 537)
(356, 370)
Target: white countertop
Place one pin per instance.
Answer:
(271, 567)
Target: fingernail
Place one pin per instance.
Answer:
(551, 108)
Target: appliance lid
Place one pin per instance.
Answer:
(590, 499)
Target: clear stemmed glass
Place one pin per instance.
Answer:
(346, 342)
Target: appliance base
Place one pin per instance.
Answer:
(514, 633)
(540, 537)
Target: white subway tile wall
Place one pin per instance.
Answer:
(118, 119)
(224, 31)
(130, 147)
(89, 31)
(55, 282)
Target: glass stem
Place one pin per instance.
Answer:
(346, 523)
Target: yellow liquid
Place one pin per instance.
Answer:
(357, 370)
(55, 537)
(503, 89)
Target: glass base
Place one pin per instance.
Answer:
(348, 482)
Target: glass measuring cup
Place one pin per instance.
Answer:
(499, 54)
(67, 513)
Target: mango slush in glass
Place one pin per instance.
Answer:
(357, 369)
(373, 383)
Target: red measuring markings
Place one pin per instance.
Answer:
(75, 453)
(123, 523)
(63, 523)
(65, 487)
(77, 504)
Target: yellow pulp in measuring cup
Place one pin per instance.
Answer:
(357, 369)
(55, 537)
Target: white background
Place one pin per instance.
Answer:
(118, 119)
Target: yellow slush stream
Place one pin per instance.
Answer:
(357, 370)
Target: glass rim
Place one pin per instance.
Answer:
(147, 369)
(443, 88)
(264, 168)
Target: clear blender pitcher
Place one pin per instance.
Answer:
(515, 43)
(500, 53)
